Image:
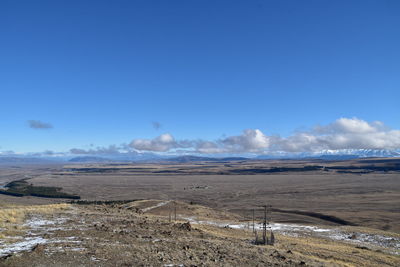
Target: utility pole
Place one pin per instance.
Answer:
(272, 236)
(265, 240)
(265, 225)
(253, 222)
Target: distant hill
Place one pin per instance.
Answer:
(189, 158)
(309, 156)
(357, 153)
(25, 160)
(87, 159)
(340, 154)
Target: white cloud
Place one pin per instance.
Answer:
(162, 143)
(298, 143)
(208, 147)
(351, 125)
(252, 140)
(344, 133)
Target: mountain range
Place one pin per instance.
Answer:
(342, 154)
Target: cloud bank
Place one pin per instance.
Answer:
(35, 124)
(344, 133)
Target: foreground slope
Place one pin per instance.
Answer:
(141, 234)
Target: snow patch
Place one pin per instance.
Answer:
(155, 206)
(391, 243)
(27, 244)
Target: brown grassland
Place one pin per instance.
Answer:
(357, 196)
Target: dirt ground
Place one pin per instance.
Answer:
(125, 235)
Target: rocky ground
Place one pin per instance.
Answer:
(142, 234)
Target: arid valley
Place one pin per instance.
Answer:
(200, 213)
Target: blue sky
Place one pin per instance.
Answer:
(100, 72)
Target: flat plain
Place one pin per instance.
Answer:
(354, 192)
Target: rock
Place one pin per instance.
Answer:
(363, 247)
(185, 226)
(277, 255)
(38, 248)
(353, 236)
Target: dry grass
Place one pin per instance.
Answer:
(183, 210)
(13, 216)
(338, 253)
(312, 249)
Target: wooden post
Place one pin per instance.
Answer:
(175, 211)
(265, 225)
(272, 239)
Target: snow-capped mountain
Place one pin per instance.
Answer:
(362, 153)
(335, 154)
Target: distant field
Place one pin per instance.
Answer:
(365, 193)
